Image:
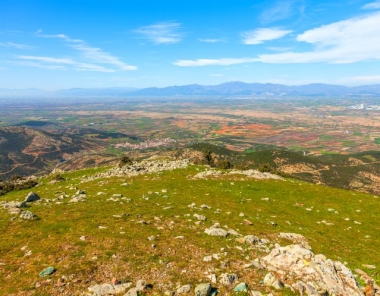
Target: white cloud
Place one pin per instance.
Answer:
(214, 62)
(372, 5)
(16, 45)
(281, 10)
(211, 40)
(93, 54)
(161, 33)
(44, 62)
(349, 41)
(48, 60)
(260, 35)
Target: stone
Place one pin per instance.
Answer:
(271, 280)
(247, 222)
(32, 197)
(27, 215)
(242, 287)
(47, 271)
(251, 240)
(199, 217)
(203, 290)
(184, 289)
(109, 289)
(228, 279)
(369, 266)
(216, 230)
(255, 293)
(141, 285)
(14, 204)
(314, 274)
(132, 292)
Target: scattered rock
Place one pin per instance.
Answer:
(47, 271)
(27, 215)
(202, 290)
(311, 273)
(184, 289)
(228, 279)
(252, 240)
(200, 217)
(242, 287)
(216, 232)
(271, 280)
(32, 197)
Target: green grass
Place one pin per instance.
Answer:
(377, 141)
(122, 249)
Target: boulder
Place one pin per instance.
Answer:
(32, 197)
(228, 279)
(27, 215)
(184, 289)
(299, 267)
(202, 290)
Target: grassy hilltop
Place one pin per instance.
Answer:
(147, 229)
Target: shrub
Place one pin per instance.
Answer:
(125, 160)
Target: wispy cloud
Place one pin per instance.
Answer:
(48, 60)
(372, 5)
(45, 62)
(211, 40)
(93, 55)
(281, 10)
(161, 33)
(349, 41)
(214, 62)
(261, 35)
(16, 45)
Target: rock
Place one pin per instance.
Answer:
(251, 240)
(202, 290)
(132, 292)
(141, 285)
(369, 266)
(247, 222)
(109, 289)
(228, 279)
(311, 273)
(184, 289)
(271, 280)
(296, 238)
(242, 287)
(199, 217)
(47, 271)
(216, 230)
(14, 204)
(207, 258)
(27, 215)
(255, 293)
(32, 197)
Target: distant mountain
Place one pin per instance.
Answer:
(241, 88)
(235, 88)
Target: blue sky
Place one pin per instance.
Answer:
(56, 44)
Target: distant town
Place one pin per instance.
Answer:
(364, 107)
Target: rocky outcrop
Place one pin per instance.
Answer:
(140, 168)
(306, 272)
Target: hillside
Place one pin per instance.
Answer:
(25, 151)
(163, 227)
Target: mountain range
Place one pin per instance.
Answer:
(229, 88)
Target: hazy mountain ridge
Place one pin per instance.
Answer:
(227, 88)
(241, 88)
